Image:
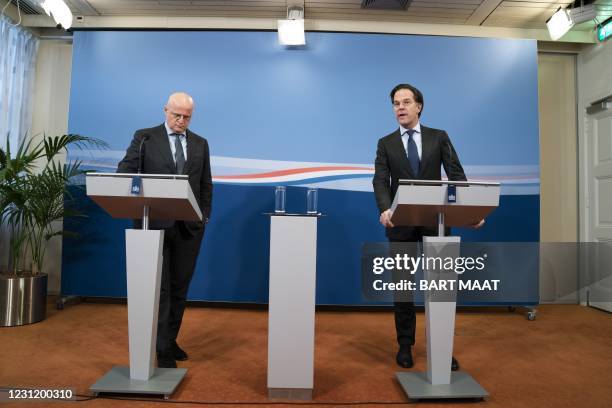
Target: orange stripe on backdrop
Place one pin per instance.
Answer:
(292, 171)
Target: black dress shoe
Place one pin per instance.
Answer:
(178, 353)
(454, 364)
(404, 356)
(165, 359)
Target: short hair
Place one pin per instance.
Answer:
(418, 96)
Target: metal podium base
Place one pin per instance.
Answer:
(302, 394)
(462, 385)
(163, 382)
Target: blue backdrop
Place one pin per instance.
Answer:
(299, 117)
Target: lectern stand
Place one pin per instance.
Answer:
(453, 204)
(162, 197)
(291, 305)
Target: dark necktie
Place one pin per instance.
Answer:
(413, 153)
(179, 155)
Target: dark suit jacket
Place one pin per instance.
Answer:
(392, 164)
(157, 159)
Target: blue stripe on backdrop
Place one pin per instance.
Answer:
(233, 263)
(326, 103)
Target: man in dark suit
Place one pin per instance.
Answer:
(171, 148)
(413, 151)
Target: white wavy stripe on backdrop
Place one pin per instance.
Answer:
(515, 179)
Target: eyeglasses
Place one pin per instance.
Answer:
(178, 116)
(405, 102)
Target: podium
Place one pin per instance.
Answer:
(159, 197)
(291, 305)
(452, 204)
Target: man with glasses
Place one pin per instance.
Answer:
(171, 148)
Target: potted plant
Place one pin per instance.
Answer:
(33, 188)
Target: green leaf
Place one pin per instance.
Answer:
(31, 202)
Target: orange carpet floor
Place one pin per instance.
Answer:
(562, 359)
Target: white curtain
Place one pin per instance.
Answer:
(17, 67)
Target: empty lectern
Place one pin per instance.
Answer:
(291, 305)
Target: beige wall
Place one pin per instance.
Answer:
(558, 177)
(51, 98)
(558, 148)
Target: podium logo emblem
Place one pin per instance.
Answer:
(136, 185)
(452, 194)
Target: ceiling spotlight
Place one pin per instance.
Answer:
(583, 13)
(559, 24)
(59, 10)
(291, 30)
(564, 19)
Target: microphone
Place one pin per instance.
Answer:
(451, 190)
(450, 157)
(144, 139)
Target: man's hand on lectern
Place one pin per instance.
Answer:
(385, 218)
(478, 224)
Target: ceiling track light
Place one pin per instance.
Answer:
(291, 30)
(583, 13)
(295, 13)
(59, 10)
(564, 19)
(559, 24)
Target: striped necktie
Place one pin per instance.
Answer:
(179, 155)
